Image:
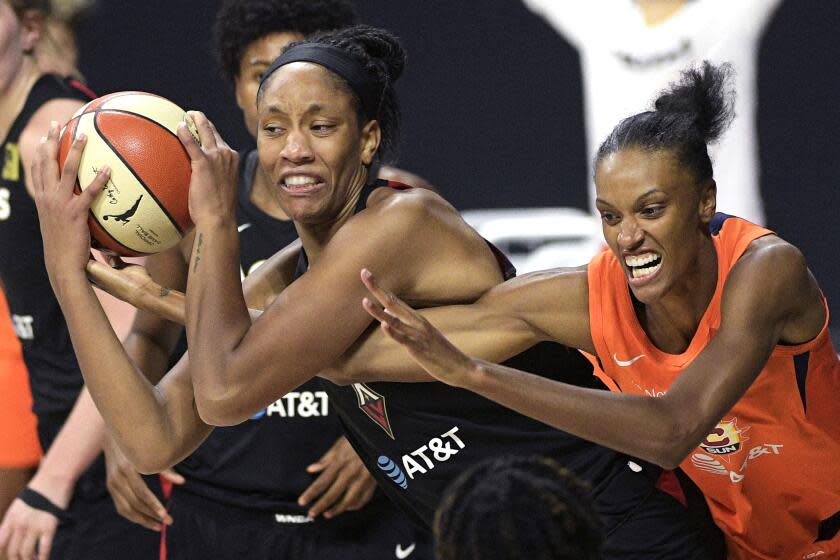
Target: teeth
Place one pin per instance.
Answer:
(300, 180)
(640, 260)
(641, 272)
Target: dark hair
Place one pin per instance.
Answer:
(382, 57)
(517, 507)
(692, 113)
(241, 22)
(20, 6)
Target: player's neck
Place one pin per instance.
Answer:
(315, 237)
(672, 322)
(13, 97)
(657, 12)
(262, 196)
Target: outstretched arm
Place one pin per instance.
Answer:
(508, 319)
(662, 430)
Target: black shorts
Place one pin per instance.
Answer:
(96, 531)
(204, 528)
(643, 521)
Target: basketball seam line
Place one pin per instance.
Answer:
(139, 180)
(92, 215)
(126, 112)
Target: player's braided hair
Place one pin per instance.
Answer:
(517, 507)
(692, 113)
(241, 22)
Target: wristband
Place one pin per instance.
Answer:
(36, 500)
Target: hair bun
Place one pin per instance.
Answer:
(705, 94)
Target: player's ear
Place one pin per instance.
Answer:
(33, 23)
(371, 136)
(708, 201)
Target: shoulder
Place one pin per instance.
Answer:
(773, 256)
(407, 208)
(60, 110)
(406, 177)
(406, 200)
(772, 279)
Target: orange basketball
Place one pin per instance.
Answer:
(143, 208)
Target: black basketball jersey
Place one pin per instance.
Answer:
(261, 463)
(417, 437)
(53, 371)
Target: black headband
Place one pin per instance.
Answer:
(338, 61)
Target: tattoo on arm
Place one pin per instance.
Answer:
(164, 292)
(198, 251)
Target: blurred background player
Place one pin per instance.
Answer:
(65, 495)
(58, 52)
(518, 507)
(631, 49)
(290, 463)
(19, 447)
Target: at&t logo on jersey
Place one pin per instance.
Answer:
(303, 404)
(423, 459)
(438, 450)
(393, 471)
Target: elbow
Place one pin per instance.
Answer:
(675, 442)
(150, 459)
(669, 458)
(218, 408)
(151, 466)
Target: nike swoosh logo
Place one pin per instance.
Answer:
(243, 227)
(404, 552)
(629, 362)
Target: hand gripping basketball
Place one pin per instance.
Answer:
(144, 207)
(63, 215)
(215, 170)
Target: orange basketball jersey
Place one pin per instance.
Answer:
(770, 470)
(19, 447)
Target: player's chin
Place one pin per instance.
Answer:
(648, 289)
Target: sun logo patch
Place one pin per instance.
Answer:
(725, 439)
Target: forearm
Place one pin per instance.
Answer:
(147, 355)
(72, 452)
(217, 317)
(474, 330)
(640, 426)
(138, 290)
(129, 404)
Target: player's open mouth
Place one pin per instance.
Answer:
(301, 184)
(642, 268)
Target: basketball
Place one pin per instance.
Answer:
(143, 209)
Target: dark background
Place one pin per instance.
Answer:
(492, 102)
